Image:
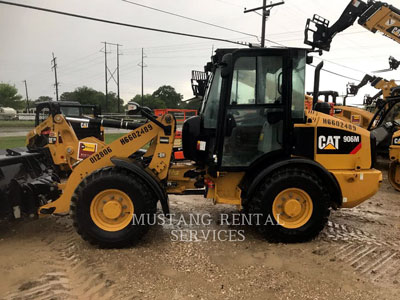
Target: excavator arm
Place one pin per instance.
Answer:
(373, 15)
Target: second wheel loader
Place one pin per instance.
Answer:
(253, 145)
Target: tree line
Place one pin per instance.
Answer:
(164, 97)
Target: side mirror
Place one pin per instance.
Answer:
(226, 65)
(146, 109)
(133, 108)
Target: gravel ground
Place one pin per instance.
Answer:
(357, 256)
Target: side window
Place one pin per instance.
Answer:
(298, 87)
(212, 102)
(269, 81)
(44, 114)
(244, 81)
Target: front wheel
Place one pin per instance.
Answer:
(112, 208)
(294, 205)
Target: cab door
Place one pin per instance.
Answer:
(256, 117)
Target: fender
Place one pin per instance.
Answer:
(153, 183)
(325, 175)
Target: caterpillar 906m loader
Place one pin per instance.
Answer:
(253, 145)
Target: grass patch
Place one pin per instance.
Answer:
(9, 142)
(16, 124)
(111, 137)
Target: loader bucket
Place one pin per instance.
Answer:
(27, 181)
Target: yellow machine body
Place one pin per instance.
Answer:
(64, 146)
(387, 21)
(353, 115)
(352, 171)
(394, 166)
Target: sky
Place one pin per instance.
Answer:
(28, 39)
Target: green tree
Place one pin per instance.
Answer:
(149, 101)
(86, 95)
(43, 99)
(193, 103)
(169, 96)
(9, 97)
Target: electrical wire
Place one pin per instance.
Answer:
(122, 24)
(337, 74)
(188, 18)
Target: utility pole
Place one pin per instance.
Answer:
(108, 72)
(266, 12)
(118, 77)
(142, 65)
(54, 67)
(27, 98)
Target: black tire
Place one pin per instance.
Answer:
(281, 180)
(140, 194)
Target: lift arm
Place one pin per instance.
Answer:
(374, 16)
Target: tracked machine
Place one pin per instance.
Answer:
(252, 145)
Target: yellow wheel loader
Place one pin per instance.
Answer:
(59, 140)
(252, 145)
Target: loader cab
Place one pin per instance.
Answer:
(254, 97)
(71, 109)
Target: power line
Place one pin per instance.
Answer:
(340, 65)
(122, 24)
(337, 74)
(188, 18)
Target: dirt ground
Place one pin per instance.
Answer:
(357, 256)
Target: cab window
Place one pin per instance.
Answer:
(244, 81)
(210, 110)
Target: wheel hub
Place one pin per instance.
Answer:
(112, 209)
(292, 208)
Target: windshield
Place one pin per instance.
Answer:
(211, 102)
(71, 111)
(390, 113)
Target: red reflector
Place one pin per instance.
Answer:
(178, 134)
(209, 183)
(179, 155)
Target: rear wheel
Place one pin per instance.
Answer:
(394, 175)
(294, 205)
(104, 204)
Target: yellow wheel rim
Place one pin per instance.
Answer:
(111, 210)
(292, 208)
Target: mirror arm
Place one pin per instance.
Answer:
(167, 129)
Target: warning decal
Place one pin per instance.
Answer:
(86, 149)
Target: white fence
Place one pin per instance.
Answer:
(26, 117)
